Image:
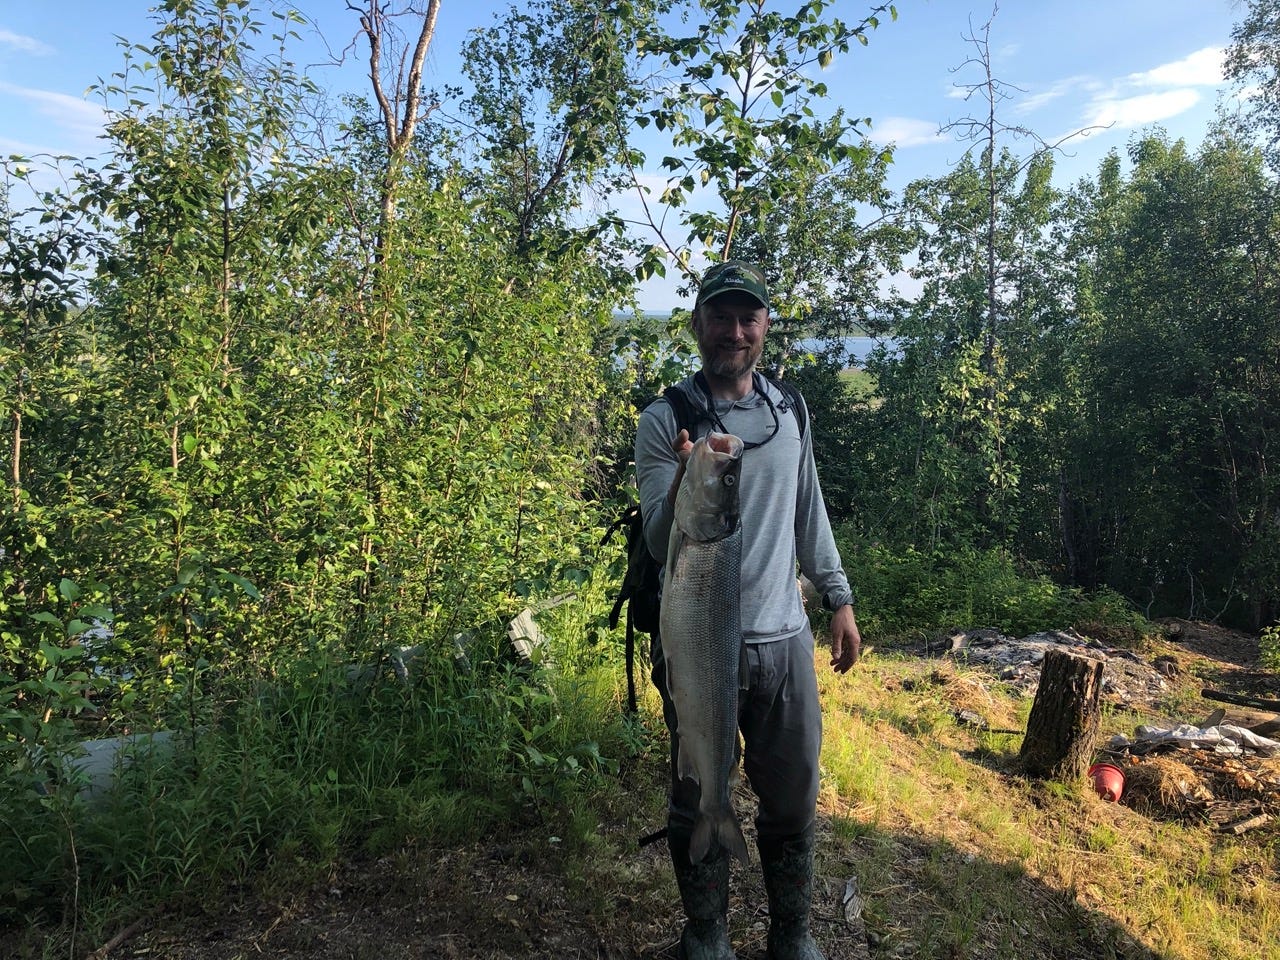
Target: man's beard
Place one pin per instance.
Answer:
(732, 364)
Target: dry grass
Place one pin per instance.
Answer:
(1161, 786)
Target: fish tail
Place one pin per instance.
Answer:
(724, 828)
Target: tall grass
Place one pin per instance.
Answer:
(318, 763)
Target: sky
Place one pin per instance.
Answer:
(1121, 66)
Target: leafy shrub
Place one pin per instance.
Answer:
(912, 593)
(1269, 648)
(833, 401)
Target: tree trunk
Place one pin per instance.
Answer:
(1066, 516)
(1063, 726)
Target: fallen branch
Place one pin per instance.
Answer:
(1242, 826)
(1241, 700)
(102, 952)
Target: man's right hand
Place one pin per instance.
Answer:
(682, 446)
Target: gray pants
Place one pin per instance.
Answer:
(781, 723)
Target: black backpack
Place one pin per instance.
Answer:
(641, 585)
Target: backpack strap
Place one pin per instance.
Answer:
(686, 414)
(793, 400)
(633, 705)
(686, 419)
(629, 517)
(631, 522)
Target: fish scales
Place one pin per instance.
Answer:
(701, 634)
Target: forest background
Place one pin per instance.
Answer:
(292, 386)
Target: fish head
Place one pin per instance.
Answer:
(707, 501)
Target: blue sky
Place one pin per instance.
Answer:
(1075, 63)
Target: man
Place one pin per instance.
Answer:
(783, 522)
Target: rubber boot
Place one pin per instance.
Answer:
(704, 893)
(788, 880)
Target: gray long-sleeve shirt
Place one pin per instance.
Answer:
(783, 518)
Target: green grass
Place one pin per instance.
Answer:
(956, 855)
(306, 770)
(860, 384)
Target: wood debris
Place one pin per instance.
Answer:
(1235, 794)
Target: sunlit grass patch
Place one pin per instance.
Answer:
(991, 854)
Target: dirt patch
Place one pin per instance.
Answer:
(497, 902)
(1232, 648)
(1148, 675)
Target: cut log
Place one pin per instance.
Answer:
(1263, 723)
(1065, 716)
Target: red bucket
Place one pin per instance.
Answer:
(1108, 781)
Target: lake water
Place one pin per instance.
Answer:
(857, 348)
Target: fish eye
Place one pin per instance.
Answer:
(728, 480)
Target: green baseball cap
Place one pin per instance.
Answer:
(730, 276)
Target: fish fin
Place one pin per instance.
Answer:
(729, 833)
(724, 829)
(685, 768)
(671, 687)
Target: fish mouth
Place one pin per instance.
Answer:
(725, 443)
(731, 521)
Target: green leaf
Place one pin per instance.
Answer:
(240, 582)
(187, 571)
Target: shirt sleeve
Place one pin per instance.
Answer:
(815, 543)
(656, 465)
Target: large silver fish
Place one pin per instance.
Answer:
(702, 635)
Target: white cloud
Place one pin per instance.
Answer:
(74, 114)
(1070, 86)
(30, 45)
(1200, 69)
(906, 132)
(20, 148)
(1137, 99)
(1124, 112)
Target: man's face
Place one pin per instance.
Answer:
(730, 330)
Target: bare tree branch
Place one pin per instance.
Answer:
(375, 23)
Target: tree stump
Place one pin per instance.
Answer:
(1063, 726)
